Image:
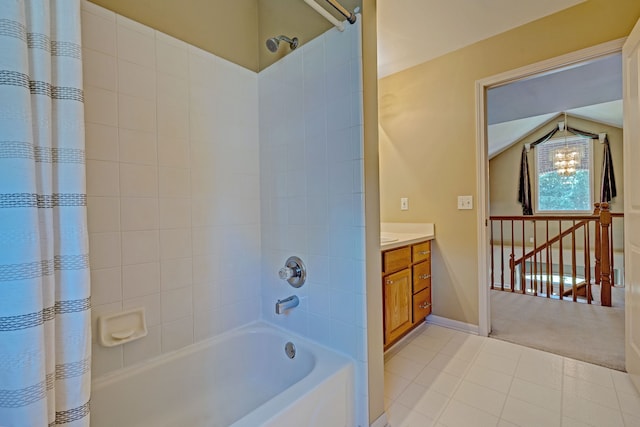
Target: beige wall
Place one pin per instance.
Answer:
(235, 30)
(428, 135)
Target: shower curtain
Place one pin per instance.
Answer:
(45, 337)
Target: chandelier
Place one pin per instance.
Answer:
(566, 160)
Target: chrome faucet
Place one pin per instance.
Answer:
(286, 304)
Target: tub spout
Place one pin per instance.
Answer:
(286, 304)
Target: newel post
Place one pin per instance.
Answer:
(605, 251)
(596, 275)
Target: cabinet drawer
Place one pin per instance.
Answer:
(421, 251)
(421, 305)
(421, 276)
(396, 259)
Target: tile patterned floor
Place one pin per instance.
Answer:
(441, 377)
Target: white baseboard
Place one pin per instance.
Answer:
(452, 324)
(381, 421)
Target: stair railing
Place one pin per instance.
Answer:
(534, 269)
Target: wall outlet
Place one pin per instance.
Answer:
(465, 202)
(404, 203)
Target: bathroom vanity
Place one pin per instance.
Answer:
(406, 277)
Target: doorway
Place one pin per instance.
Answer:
(484, 119)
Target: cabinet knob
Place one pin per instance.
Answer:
(424, 305)
(424, 276)
(424, 252)
(389, 282)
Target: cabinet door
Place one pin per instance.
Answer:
(397, 304)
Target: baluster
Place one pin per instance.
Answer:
(605, 272)
(491, 243)
(587, 261)
(523, 270)
(597, 244)
(549, 284)
(561, 260)
(535, 261)
(612, 275)
(574, 285)
(501, 256)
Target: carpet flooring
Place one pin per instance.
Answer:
(586, 332)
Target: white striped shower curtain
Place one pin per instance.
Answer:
(45, 326)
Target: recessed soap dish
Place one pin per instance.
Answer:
(119, 328)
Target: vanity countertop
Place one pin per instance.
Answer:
(394, 234)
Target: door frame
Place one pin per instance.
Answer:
(482, 157)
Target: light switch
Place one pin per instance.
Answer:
(404, 203)
(465, 202)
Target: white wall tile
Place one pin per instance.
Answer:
(177, 334)
(104, 250)
(134, 46)
(139, 213)
(174, 212)
(175, 243)
(137, 147)
(140, 247)
(176, 273)
(138, 180)
(173, 152)
(140, 279)
(106, 285)
(103, 214)
(101, 142)
(102, 178)
(99, 32)
(100, 106)
(172, 58)
(172, 89)
(136, 113)
(176, 304)
(174, 182)
(151, 304)
(136, 80)
(173, 120)
(99, 70)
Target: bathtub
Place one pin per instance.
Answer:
(243, 378)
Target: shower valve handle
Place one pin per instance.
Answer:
(287, 273)
(293, 272)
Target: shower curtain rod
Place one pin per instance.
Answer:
(322, 11)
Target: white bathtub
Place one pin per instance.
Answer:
(241, 379)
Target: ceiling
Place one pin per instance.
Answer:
(411, 32)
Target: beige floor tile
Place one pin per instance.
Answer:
(537, 395)
(480, 397)
(394, 385)
(590, 391)
(590, 412)
(458, 414)
(489, 378)
(527, 415)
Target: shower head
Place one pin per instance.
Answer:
(274, 42)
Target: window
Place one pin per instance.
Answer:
(563, 176)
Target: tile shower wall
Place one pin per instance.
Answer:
(311, 177)
(173, 186)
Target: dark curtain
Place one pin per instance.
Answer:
(608, 183)
(524, 186)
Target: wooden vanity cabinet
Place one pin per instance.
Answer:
(406, 284)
